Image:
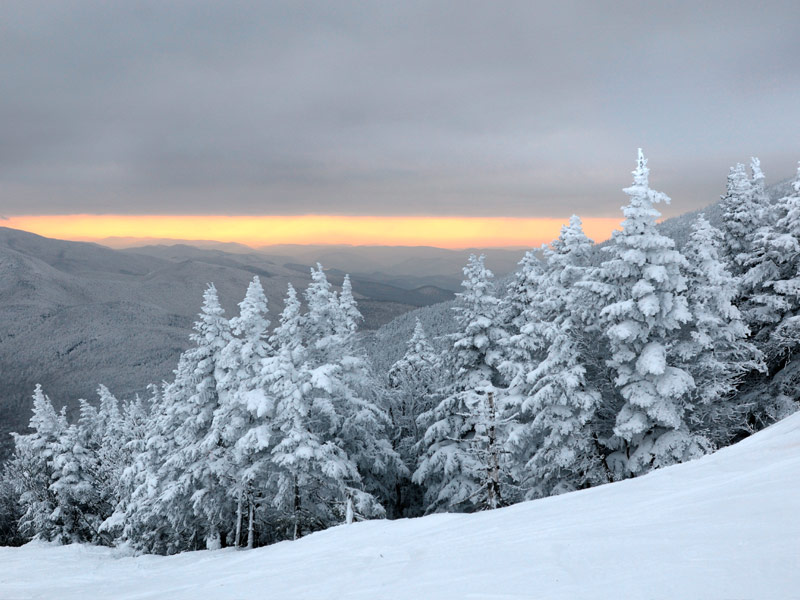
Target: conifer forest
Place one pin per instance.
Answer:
(592, 363)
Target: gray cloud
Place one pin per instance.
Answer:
(510, 108)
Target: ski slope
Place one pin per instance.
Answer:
(723, 527)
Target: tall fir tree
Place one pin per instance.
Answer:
(194, 497)
(740, 219)
(552, 446)
(314, 477)
(717, 352)
(323, 323)
(773, 277)
(773, 308)
(521, 303)
(415, 384)
(416, 380)
(130, 450)
(350, 315)
(642, 289)
(241, 426)
(523, 291)
(462, 466)
(356, 421)
(34, 455)
(78, 491)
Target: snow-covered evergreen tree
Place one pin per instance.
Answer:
(193, 496)
(521, 303)
(142, 518)
(773, 278)
(718, 352)
(740, 219)
(33, 457)
(552, 445)
(643, 291)
(350, 315)
(462, 466)
(772, 307)
(105, 442)
(523, 292)
(130, 451)
(355, 420)
(324, 326)
(313, 476)
(416, 380)
(567, 260)
(561, 405)
(241, 422)
(80, 505)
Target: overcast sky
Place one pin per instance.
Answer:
(433, 108)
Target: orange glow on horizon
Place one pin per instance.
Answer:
(442, 232)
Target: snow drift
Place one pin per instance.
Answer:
(724, 526)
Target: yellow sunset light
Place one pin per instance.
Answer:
(443, 232)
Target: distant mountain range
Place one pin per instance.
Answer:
(407, 267)
(75, 314)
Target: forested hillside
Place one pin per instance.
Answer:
(73, 314)
(591, 364)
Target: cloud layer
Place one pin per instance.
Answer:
(435, 108)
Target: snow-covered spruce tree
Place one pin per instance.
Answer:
(91, 463)
(139, 519)
(717, 352)
(521, 303)
(416, 379)
(552, 446)
(522, 293)
(311, 477)
(567, 261)
(462, 466)
(194, 497)
(323, 322)
(772, 276)
(768, 300)
(111, 434)
(32, 461)
(131, 449)
(642, 289)
(356, 422)
(80, 503)
(12, 472)
(753, 226)
(740, 219)
(772, 307)
(787, 285)
(415, 383)
(350, 315)
(239, 436)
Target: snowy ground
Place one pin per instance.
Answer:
(726, 526)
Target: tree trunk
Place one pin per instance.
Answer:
(349, 513)
(238, 541)
(250, 526)
(297, 531)
(493, 468)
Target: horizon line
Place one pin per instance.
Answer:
(254, 231)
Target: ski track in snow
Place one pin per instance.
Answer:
(724, 527)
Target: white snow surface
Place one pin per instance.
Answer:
(726, 526)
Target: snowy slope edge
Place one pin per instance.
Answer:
(723, 526)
